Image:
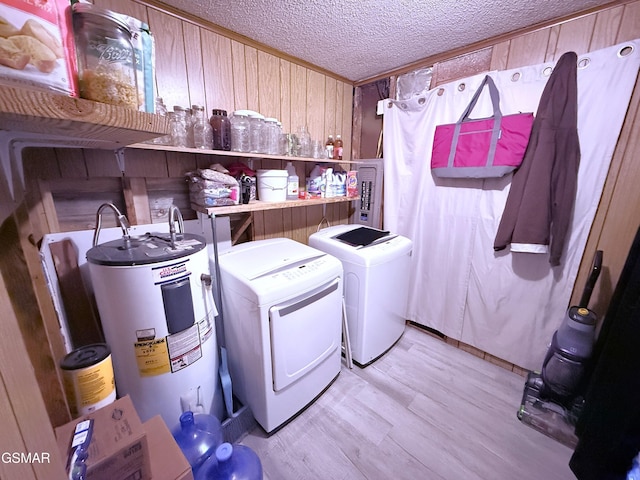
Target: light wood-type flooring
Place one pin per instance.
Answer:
(424, 411)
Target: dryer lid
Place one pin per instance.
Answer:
(256, 259)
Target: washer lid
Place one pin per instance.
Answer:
(361, 236)
(387, 247)
(146, 249)
(255, 259)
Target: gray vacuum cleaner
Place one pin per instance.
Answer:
(552, 399)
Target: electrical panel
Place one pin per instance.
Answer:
(368, 207)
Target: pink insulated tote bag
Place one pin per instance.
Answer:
(482, 148)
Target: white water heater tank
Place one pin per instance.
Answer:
(157, 310)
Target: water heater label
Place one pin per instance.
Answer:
(169, 272)
(184, 348)
(206, 327)
(152, 357)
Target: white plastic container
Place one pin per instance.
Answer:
(314, 182)
(293, 182)
(272, 185)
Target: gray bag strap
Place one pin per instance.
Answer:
(497, 116)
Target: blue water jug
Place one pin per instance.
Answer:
(231, 462)
(198, 435)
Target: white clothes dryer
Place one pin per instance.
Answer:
(283, 325)
(376, 283)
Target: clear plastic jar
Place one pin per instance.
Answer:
(202, 131)
(256, 121)
(178, 127)
(105, 55)
(221, 130)
(240, 139)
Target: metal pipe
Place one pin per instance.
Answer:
(122, 222)
(174, 213)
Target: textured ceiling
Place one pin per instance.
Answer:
(359, 39)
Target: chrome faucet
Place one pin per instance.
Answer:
(122, 222)
(174, 213)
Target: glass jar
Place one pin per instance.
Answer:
(221, 130)
(270, 136)
(282, 149)
(105, 55)
(256, 122)
(178, 127)
(161, 109)
(189, 120)
(240, 139)
(202, 131)
(304, 142)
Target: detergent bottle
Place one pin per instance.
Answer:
(314, 182)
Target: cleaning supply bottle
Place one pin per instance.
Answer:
(198, 435)
(231, 462)
(314, 181)
(292, 182)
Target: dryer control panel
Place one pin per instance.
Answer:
(300, 271)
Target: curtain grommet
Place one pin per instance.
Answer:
(584, 62)
(626, 51)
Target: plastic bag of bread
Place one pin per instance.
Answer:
(40, 33)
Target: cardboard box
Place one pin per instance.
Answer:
(167, 460)
(118, 448)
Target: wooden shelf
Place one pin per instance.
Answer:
(225, 153)
(257, 205)
(39, 117)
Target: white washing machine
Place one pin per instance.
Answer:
(282, 311)
(376, 283)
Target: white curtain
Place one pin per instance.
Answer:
(506, 304)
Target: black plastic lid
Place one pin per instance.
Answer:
(216, 111)
(86, 356)
(362, 236)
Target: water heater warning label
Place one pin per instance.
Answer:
(184, 348)
(152, 357)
